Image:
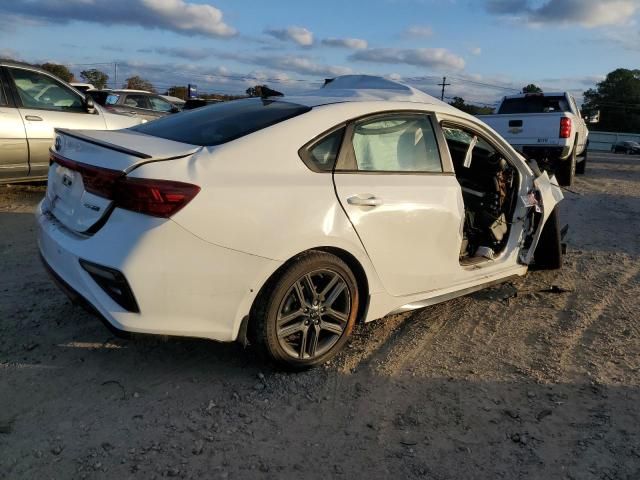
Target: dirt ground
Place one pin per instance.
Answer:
(536, 379)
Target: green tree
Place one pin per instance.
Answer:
(60, 71)
(95, 77)
(178, 92)
(138, 83)
(532, 88)
(460, 104)
(617, 98)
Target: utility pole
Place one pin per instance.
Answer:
(443, 85)
(115, 75)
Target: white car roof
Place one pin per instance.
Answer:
(363, 88)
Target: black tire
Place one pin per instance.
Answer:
(581, 167)
(548, 254)
(566, 170)
(314, 337)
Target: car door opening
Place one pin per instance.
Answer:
(489, 191)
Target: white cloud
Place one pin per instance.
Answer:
(189, 17)
(352, 43)
(418, 31)
(588, 13)
(476, 51)
(301, 65)
(299, 35)
(180, 16)
(435, 58)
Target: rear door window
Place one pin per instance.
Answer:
(396, 143)
(137, 101)
(223, 122)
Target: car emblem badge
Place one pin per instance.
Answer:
(67, 181)
(95, 208)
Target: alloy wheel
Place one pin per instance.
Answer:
(313, 314)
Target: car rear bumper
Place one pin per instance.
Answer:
(183, 285)
(545, 152)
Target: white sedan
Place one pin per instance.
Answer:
(284, 221)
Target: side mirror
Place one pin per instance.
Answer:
(89, 104)
(595, 117)
(175, 109)
(591, 117)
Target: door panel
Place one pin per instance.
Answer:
(413, 234)
(14, 154)
(407, 213)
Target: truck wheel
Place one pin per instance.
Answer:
(548, 254)
(566, 171)
(581, 167)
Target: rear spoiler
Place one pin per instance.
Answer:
(101, 143)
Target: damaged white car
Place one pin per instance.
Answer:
(285, 220)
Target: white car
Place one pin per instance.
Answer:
(286, 220)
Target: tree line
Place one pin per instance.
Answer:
(617, 97)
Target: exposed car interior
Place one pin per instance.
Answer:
(489, 191)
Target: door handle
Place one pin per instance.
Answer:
(365, 200)
(33, 118)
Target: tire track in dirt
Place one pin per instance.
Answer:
(594, 289)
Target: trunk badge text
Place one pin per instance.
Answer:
(66, 180)
(95, 208)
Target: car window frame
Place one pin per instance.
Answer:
(347, 164)
(5, 89)
(61, 84)
(462, 124)
(305, 151)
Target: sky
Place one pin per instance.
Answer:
(485, 48)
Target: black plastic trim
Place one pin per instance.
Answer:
(304, 151)
(126, 299)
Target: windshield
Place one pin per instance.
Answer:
(222, 122)
(534, 104)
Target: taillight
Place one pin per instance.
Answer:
(159, 198)
(565, 127)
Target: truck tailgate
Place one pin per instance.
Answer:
(527, 129)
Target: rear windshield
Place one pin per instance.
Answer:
(534, 104)
(223, 122)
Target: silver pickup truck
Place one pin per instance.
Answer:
(547, 127)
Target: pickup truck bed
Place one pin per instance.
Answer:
(546, 127)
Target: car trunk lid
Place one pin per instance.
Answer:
(86, 166)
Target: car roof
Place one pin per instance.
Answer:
(131, 90)
(15, 63)
(362, 88)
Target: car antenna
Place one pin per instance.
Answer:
(268, 92)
